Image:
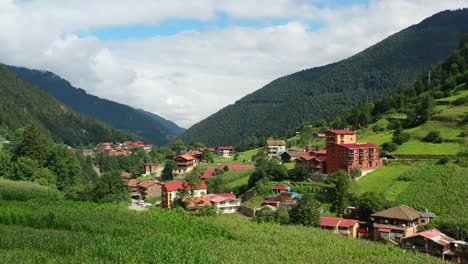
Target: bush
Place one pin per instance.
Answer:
(433, 137)
(389, 146)
(443, 160)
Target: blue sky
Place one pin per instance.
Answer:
(222, 20)
(132, 51)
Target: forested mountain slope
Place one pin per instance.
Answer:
(22, 104)
(154, 129)
(312, 94)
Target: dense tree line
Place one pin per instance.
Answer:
(310, 95)
(32, 156)
(414, 101)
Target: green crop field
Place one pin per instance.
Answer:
(416, 147)
(70, 232)
(447, 130)
(379, 180)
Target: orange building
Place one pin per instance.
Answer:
(343, 153)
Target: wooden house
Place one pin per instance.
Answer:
(185, 164)
(396, 223)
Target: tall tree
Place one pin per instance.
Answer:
(342, 185)
(306, 212)
(111, 188)
(30, 142)
(168, 171)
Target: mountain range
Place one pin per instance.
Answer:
(22, 104)
(151, 127)
(310, 95)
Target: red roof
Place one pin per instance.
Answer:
(133, 183)
(342, 132)
(147, 184)
(336, 221)
(280, 187)
(329, 221)
(347, 222)
(386, 230)
(235, 167)
(357, 145)
(226, 148)
(185, 157)
(319, 152)
(434, 235)
(174, 186)
(208, 173)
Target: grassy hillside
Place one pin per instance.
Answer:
(152, 128)
(425, 185)
(286, 103)
(22, 104)
(448, 121)
(66, 232)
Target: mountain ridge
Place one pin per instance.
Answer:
(309, 95)
(147, 125)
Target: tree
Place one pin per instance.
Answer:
(208, 210)
(44, 176)
(24, 168)
(306, 212)
(369, 203)
(5, 164)
(389, 146)
(169, 168)
(342, 185)
(65, 165)
(208, 156)
(399, 136)
(297, 174)
(282, 215)
(266, 215)
(111, 188)
(178, 146)
(433, 137)
(29, 142)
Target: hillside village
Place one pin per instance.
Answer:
(401, 225)
(379, 177)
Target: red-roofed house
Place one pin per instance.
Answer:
(341, 226)
(292, 155)
(226, 203)
(150, 168)
(312, 165)
(430, 241)
(133, 185)
(281, 188)
(225, 151)
(318, 153)
(185, 163)
(169, 191)
(149, 189)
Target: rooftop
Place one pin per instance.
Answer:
(174, 186)
(401, 212)
(276, 143)
(342, 132)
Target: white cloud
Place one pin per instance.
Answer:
(190, 75)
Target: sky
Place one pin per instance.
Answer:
(185, 60)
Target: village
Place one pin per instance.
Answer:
(400, 225)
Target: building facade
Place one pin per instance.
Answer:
(169, 191)
(274, 147)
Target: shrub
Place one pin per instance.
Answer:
(433, 137)
(389, 146)
(443, 160)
